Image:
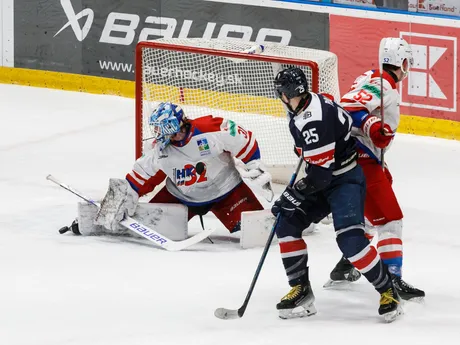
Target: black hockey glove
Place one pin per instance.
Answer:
(288, 202)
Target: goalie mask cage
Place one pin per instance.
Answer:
(216, 77)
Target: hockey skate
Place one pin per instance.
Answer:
(297, 303)
(406, 291)
(390, 306)
(343, 273)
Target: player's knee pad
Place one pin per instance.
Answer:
(352, 241)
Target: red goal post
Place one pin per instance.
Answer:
(221, 78)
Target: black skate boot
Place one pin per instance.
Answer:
(297, 303)
(73, 227)
(343, 272)
(390, 306)
(406, 291)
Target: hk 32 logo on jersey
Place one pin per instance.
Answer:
(189, 174)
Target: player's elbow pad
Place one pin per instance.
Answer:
(359, 117)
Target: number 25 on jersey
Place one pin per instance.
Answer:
(310, 136)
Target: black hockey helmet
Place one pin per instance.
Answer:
(292, 82)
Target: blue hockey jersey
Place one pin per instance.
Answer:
(322, 135)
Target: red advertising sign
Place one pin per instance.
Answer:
(432, 82)
(431, 87)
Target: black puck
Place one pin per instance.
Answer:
(200, 167)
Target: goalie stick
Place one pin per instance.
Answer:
(140, 229)
(229, 314)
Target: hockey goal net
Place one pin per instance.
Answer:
(221, 78)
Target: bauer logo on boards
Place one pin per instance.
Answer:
(125, 28)
(80, 32)
(432, 81)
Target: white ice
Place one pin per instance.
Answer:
(68, 290)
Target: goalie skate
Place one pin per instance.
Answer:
(299, 302)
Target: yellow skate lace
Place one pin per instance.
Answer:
(387, 297)
(295, 291)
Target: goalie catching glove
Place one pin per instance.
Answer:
(257, 176)
(119, 202)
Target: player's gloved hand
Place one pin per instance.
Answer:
(120, 200)
(287, 203)
(258, 175)
(381, 137)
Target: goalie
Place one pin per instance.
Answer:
(196, 157)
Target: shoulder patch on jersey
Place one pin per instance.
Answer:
(374, 89)
(312, 113)
(231, 127)
(203, 146)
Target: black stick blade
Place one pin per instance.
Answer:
(226, 314)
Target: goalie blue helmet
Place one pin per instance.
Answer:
(165, 121)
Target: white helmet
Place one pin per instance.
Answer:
(393, 51)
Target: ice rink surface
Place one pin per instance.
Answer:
(68, 290)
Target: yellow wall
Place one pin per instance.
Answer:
(75, 82)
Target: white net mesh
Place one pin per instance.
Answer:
(203, 82)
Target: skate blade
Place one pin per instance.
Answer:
(392, 316)
(298, 312)
(419, 300)
(336, 283)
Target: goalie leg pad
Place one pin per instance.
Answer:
(169, 220)
(120, 201)
(256, 227)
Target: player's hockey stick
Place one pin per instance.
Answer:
(228, 314)
(140, 229)
(382, 110)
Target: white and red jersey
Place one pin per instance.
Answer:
(363, 99)
(200, 169)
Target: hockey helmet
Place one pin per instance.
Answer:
(393, 51)
(292, 82)
(165, 121)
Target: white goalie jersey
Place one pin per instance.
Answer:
(364, 98)
(201, 169)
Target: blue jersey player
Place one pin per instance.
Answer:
(334, 183)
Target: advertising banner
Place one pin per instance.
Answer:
(1, 34)
(449, 7)
(431, 87)
(367, 3)
(98, 37)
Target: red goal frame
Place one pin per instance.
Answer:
(205, 51)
